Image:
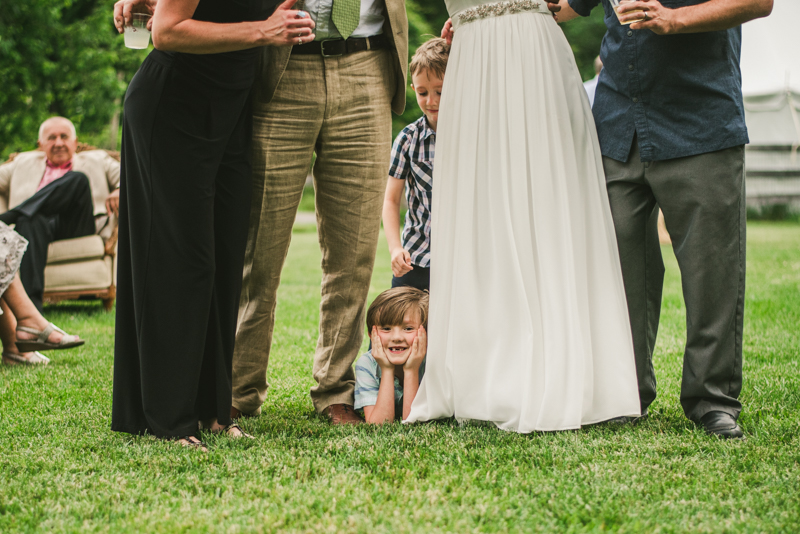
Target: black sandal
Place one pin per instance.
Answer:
(191, 442)
(232, 426)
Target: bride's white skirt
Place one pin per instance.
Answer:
(528, 324)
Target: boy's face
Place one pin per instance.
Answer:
(397, 339)
(428, 88)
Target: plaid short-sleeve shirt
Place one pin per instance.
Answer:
(412, 161)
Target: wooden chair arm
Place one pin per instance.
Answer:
(111, 242)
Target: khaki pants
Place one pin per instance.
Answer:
(339, 108)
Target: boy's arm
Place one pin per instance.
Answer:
(410, 387)
(383, 410)
(411, 370)
(398, 174)
(401, 259)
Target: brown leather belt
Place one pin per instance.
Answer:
(340, 47)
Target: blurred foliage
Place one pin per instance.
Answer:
(64, 57)
(61, 57)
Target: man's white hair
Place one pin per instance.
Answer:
(51, 119)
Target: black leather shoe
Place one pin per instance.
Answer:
(627, 419)
(722, 425)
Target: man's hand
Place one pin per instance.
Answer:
(418, 351)
(112, 203)
(657, 18)
(401, 262)
(379, 353)
(710, 16)
(124, 8)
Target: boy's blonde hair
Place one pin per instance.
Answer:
(390, 307)
(431, 56)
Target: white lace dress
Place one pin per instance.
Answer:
(528, 324)
(12, 247)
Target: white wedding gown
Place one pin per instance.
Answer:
(528, 324)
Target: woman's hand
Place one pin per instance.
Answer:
(124, 8)
(401, 262)
(447, 31)
(379, 353)
(287, 27)
(418, 351)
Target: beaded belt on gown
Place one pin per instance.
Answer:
(496, 9)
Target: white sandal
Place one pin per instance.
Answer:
(11, 358)
(40, 342)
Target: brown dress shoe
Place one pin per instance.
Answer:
(342, 414)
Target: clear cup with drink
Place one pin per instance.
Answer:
(616, 4)
(136, 33)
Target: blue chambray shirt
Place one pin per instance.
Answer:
(680, 94)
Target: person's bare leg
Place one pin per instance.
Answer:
(25, 312)
(8, 331)
(8, 325)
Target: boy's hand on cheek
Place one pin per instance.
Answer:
(418, 351)
(379, 353)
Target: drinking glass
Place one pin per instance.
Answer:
(136, 34)
(615, 5)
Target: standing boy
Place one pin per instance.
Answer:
(412, 169)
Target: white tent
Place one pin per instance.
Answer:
(771, 87)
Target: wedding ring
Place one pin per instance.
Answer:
(301, 14)
(645, 16)
(299, 40)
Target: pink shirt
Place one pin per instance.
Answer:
(54, 172)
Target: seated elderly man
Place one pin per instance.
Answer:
(54, 193)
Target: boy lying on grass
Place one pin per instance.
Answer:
(388, 376)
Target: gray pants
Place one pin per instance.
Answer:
(702, 198)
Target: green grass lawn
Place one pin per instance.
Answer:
(62, 469)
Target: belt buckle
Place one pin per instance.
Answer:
(322, 47)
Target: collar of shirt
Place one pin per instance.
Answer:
(427, 131)
(53, 172)
(371, 22)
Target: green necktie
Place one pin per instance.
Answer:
(345, 15)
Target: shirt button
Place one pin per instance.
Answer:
(630, 67)
(635, 100)
(630, 33)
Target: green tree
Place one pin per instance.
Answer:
(64, 57)
(61, 57)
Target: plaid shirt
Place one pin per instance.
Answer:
(412, 161)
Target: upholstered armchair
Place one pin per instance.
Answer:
(84, 267)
